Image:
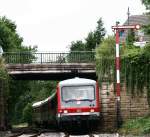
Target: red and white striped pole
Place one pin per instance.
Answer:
(117, 66)
(117, 29)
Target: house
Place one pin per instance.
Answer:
(141, 37)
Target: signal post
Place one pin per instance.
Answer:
(117, 30)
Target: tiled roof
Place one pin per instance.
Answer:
(138, 19)
(141, 20)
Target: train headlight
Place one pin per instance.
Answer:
(92, 110)
(58, 115)
(65, 111)
(60, 111)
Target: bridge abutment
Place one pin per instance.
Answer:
(131, 106)
(3, 105)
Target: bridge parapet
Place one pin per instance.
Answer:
(53, 66)
(46, 57)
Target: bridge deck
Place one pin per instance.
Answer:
(54, 66)
(53, 71)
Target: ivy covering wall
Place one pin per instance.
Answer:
(3, 96)
(135, 65)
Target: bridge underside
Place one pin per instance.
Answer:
(51, 76)
(51, 71)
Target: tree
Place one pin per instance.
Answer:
(95, 38)
(77, 46)
(130, 39)
(105, 58)
(100, 32)
(24, 92)
(90, 41)
(146, 3)
(9, 39)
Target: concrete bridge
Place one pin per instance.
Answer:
(50, 66)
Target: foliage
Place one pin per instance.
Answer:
(77, 46)
(3, 72)
(100, 32)
(93, 39)
(130, 39)
(136, 126)
(81, 56)
(21, 93)
(146, 3)
(60, 59)
(76, 54)
(135, 69)
(147, 29)
(138, 68)
(20, 56)
(9, 40)
(4, 92)
(40, 90)
(90, 41)
(25, 92)
(27, 113)
(135, 65)
(18, 98)
(105, 58)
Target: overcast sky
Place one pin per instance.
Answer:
(53, 24)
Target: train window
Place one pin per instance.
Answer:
(74, 93)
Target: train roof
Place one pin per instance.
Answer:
(40, 103)
(77, 81)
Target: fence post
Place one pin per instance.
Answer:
(41, 58)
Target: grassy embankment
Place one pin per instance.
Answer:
(21, 125)
(138, 126)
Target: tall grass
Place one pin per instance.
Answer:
(136, 126)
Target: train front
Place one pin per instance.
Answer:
(78, 102)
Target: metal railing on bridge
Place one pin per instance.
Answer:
(46, 57)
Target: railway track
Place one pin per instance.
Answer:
(52, 135)
(61, 134)
(23, 134)
(31, 132)
(27, 132)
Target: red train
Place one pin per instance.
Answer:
(76, 101)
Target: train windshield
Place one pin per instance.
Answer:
(74, 93)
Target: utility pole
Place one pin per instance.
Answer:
(128, 14)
